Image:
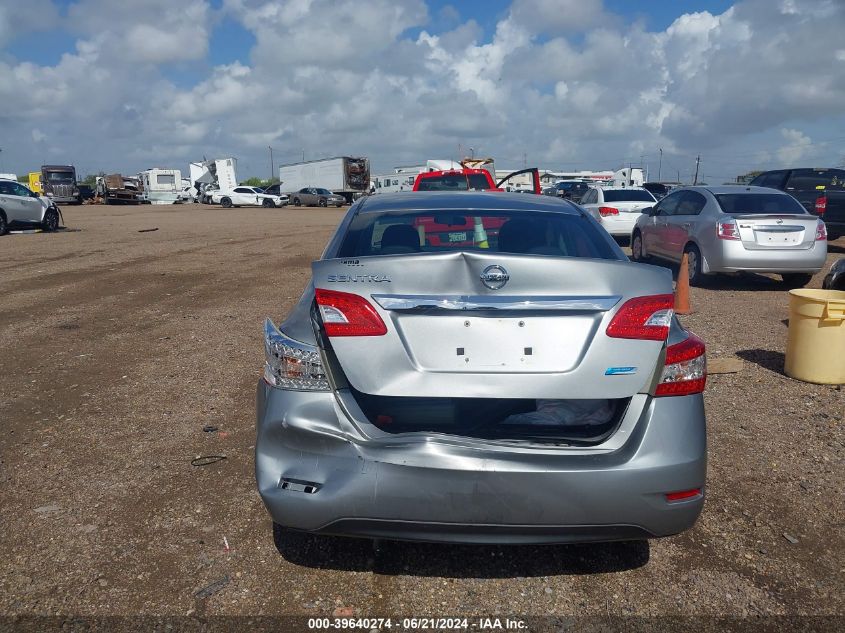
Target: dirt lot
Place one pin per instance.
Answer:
(119, 346)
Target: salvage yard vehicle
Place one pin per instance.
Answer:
(617, 208)
(472, 179)
(118, 189)
(347, 176)
(733, 229)
(531, 386)
(243, 196)
(59, 183)
(573, 190)
(21, 207)
(821, 191)
(316, 197)
(160, 186)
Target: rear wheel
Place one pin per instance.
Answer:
(267, 203)
(637, 247)
(226, 202)
(796, 280)
(4, 226)
(696, 274)
(296, 202)
(51, 220)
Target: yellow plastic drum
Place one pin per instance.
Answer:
(815, 348)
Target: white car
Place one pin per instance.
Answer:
(243, 196)
(20, 207)
(617, 208)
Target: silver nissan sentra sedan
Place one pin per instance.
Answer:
(731, 229)
(481, 368)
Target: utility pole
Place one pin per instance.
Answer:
(271, 162)
(660, 165)
(697, 160)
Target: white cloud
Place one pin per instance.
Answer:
(568, 83)
(798, 146)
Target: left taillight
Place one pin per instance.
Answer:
(606, 211)
(290, 364)
(347, 314)
(685, 369)
(645, 318)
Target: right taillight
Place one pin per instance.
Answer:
(727, 230)
(645, 318)
(347, 314)
(821, 205)
(685, 369)
(606, 211)
(821, 232)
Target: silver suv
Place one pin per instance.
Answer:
(21, 207)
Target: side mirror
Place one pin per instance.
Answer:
(649, 211)
(32, 194)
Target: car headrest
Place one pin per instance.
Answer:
(401, 235)
(520, 235)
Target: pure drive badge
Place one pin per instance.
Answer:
(358, 278)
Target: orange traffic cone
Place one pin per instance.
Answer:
(682, 305)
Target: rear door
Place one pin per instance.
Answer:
(679, 225)
(10, 203)
(656, 231)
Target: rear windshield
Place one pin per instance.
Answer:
(763, 203)
(816, 179)
(627, 195)
(454, 182)
(517, 232)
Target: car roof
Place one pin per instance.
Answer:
(720, 189)
(464, 200)
(620, 188)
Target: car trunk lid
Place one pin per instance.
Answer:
(776, 231)
(533, 327)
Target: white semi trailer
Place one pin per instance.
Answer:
(344, 175)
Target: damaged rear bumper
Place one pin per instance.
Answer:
(316, 474)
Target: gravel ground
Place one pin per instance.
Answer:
(119, 346)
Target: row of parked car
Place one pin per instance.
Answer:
(779, 223)
(272, 196)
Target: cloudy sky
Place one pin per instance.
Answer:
(561, 84)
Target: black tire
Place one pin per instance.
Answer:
(339, 204)
(4, 226)
(796, 280)
(226, 202)
(322, 202)
(637, 247)
(296, 202)
(696, 275)
(50, 222)
(267, 203)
